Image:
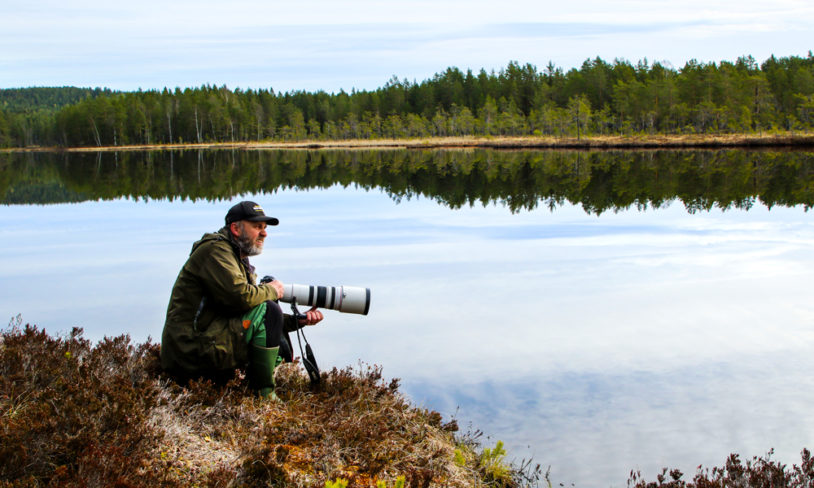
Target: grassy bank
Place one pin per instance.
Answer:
(73, 414)
(699, 141)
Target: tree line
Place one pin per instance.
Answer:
(598, 98)
(26, 114)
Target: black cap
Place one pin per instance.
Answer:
(249, 211)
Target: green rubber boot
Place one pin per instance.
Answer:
(262, 363)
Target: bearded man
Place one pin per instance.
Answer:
(218, 318)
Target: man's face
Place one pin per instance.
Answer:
(249, 236)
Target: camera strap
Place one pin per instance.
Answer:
(308, 359)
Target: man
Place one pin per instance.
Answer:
(218, 319)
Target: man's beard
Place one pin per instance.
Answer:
(246, 246)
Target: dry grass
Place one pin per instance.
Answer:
(639, 141)
(357, 427)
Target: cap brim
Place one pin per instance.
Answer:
(267, 220)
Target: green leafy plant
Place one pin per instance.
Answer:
(399, 483)
(459, 458)
(496, 471)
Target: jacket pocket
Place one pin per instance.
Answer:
(221, 345)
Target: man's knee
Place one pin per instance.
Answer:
(273, 308)
(275, 331)
(274, 323)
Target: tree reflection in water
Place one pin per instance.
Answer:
(598, 181)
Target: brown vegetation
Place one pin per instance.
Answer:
(74, 414)
(759, 472)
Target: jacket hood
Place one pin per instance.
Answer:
(221, 235)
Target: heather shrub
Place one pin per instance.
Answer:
(759, 472)
(74, 415)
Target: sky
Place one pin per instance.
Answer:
(327, 45)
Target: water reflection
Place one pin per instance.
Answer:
(520, 180)
(604, 340)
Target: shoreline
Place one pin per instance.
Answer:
(646, 142)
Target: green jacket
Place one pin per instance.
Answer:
(203, 333)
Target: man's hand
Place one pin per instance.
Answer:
(312, 317)
(278, 287)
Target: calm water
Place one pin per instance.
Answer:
(600, 312)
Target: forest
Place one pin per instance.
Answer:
(598, 98)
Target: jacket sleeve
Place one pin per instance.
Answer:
(224, 279)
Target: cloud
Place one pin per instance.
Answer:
(360, 44)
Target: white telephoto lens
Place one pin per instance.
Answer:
(347, 299)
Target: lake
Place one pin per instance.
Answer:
(600, 312)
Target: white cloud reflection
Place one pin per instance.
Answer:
(593, 428)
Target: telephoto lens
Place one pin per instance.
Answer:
(346, 299)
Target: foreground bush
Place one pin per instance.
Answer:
(77, 414)
(759, 472)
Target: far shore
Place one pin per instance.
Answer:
(699, 141)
